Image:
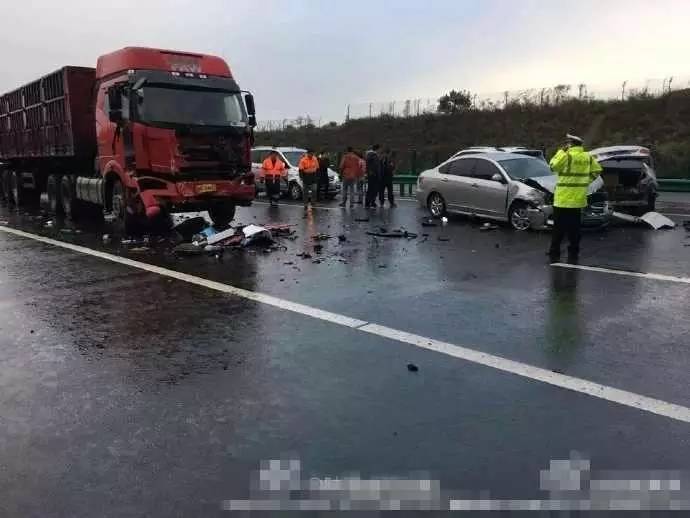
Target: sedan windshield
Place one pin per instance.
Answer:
(191, 107)
(528, 167)
(293, 157)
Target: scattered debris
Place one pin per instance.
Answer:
(652, 219)
(444, 221)
(497, 245)
(288, 263)
(321, 237)
(557, 371)
(429, 222)
(318, 248)
(488, 226)
(412, 367)
(316, 261)
(361, 220)
(382, 266)
(394, 233)
(686, 225)
(657, 221)
(188, 249)
(188, 228)
(444, 238)
(342, 238)
(256, 234)
(213, 249)
(304, 255)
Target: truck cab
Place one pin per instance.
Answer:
(174, 133)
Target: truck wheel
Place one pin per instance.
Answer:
(54, 198)
(68, 197)
(124, 222)
(3, 186)
(16, 189)
(222, 215)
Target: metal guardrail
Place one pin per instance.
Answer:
(406, 183)
(674, 185)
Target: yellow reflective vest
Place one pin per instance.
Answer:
(575, 169)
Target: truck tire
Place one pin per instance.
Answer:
(54, 198)
(16, 190)
(68, 197)
(222, 214)
(125, 222)
(3, 186)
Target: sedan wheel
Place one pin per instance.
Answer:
(437, 205)
(519, 216)
(295, 191)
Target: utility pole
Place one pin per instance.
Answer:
(623, 91)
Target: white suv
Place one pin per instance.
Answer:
(293, 186)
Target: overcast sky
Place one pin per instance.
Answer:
(315, 56)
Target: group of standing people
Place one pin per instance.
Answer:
(372, 173)
(378, 167)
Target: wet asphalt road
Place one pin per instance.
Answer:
(126, 393)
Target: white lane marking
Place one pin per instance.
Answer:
(686, 215)
(192, 279)
(626, 273)
(622, 397)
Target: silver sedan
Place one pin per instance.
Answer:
(499, 186)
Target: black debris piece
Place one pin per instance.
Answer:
(558, 371)
(188, 249)
(316, 261)
(412, 367)
(394, 233)
(321, 237)
(190, 227)
(288, 263)
(362, 220)
(443, 238)
(342, 238)
(382, 266)
(429, 222)
(318, 248)
(304, 255)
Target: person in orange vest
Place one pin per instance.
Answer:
(351, 170)
(273, 169)
(308, 167)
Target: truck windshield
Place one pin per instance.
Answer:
(191, 107)
(528, 167)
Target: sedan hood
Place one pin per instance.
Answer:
(548, 184)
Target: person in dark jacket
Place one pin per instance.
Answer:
(322, 178)
(373, 161)
(387, 172)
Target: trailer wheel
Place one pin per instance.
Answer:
(222, 214)
(68, 197)
(54, 198)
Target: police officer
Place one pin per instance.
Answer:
(575, 169)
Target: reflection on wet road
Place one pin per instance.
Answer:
(126, 392)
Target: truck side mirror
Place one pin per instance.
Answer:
(251, 109)
(115, 104)
(497, 178)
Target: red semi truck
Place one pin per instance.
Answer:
(146, 133)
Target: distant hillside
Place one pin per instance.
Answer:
(661, 123)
